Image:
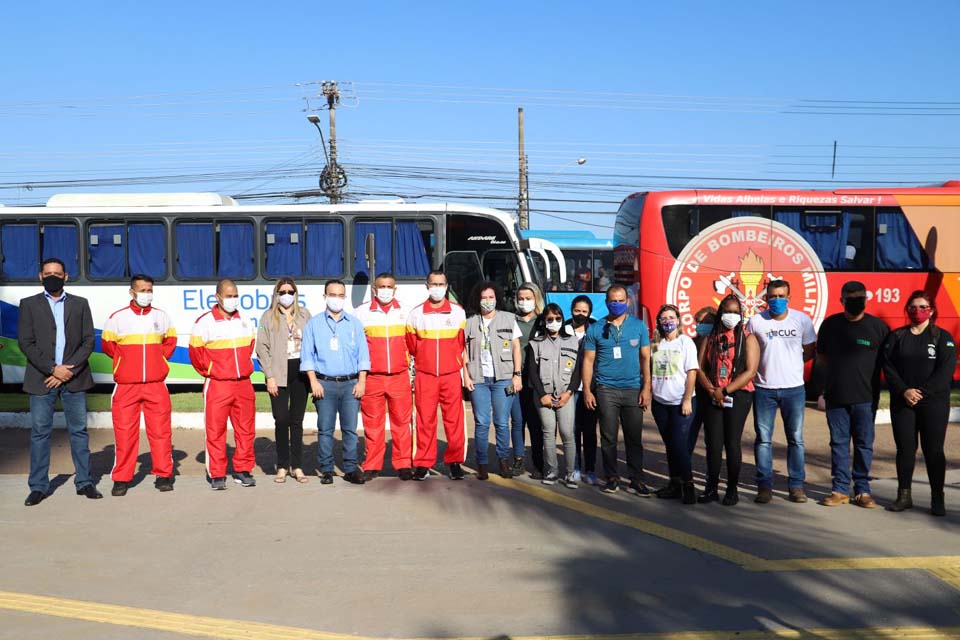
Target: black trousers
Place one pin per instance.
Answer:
(723, 430)
(531, 417)
(585, 436)
(927, 420)
(288, 409)
(620, 408)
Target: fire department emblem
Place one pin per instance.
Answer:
(742, 256)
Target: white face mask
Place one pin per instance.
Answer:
(335, 304)
(144, 298)
(286, 300)
(554, 327)
(230, 305)
(488, 305)
(437, 293)
(730, 320)
(385, 295)
(526, 306)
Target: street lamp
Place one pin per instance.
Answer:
(578, 161)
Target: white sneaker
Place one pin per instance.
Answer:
(550, 479)
(570, 482)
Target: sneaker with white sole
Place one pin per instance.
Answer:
(244, 479)
(570, 482)
(218, 484)
(550, 478)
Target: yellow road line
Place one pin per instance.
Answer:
(226, 629)
(835, 564)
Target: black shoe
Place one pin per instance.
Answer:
(164, 484)
(689, 493)
(731, 497)
(456, 471)
(244, 479)
(90, 492)
(610, 486)
(405, 474)
(482, 472)
(421, 474)
(218, 484)
(505, 470)
(904, 501)
(517, 466)
(354, 477)
(119, 489)
(671, 491)
(709, 494)
(35, 498)
(640, 489)
(326, 477)
(370, 475)
(938, 506)
(536, 475)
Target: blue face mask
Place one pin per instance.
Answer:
(617, 308)
(777, 306)
(704, 329)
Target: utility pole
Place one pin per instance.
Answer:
(333, 178)
(523, 198)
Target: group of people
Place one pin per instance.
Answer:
(533, 372)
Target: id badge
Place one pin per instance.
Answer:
(723, 372)
(334, 344)
(617, 353)
(291, 345)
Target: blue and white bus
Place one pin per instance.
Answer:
(587, 266)
(189, 241)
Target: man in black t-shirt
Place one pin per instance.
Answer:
(848, 349)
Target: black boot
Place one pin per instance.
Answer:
(937, 506)
(731, 497)
(904, 501)
(689, 493)
(709, 493)
(671, 491)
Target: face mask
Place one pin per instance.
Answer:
(488, 305)
(287, 299)
(144, 299)
(919, 316)
(230, 305)
(704, 329)
(554, 326)
(730, 320)
(855, 306)
(669, 326)
(437, 293)
(52, 284)
(777, 306)
(385, 295)
(579, 321)
(335, 304)
(526, 306)
(617, 308)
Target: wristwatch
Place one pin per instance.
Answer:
(516, 373)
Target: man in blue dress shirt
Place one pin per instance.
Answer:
(335, 358)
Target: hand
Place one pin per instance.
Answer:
(546, 401)
(62, 372)
(359, 388)
(563, 399)
(517, 384)
(644, 399)
(717, 395)
(468, 383)
(316, 389)
(686, 408)
(821, 403)
(912, 396)
(52, 383)
(589, 400)
(272, 387)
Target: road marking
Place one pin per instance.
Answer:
(226, 629)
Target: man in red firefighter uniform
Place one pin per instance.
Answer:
(140, 338)
(388, 382)
(221, 350)
(436, 341)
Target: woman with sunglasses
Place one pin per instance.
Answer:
(918, 363)
(278, 349)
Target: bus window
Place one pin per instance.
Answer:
(682, 223)
(503, 268)
(858, 253)
(898, 247)
(208, 250)
(117, 250)
(401, 247)
(24, 245)
(60, 241)
(842, 240)
(324, 249)
(463, 272)
(106, 251)
(603, 277)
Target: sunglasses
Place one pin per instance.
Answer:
(284, 292)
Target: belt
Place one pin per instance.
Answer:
(352, 376)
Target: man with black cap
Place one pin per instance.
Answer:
(848, 349)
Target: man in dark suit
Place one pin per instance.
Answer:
(55, 333)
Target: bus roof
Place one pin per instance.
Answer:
(567, 239)
(140, 200)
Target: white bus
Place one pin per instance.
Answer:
(187, 242)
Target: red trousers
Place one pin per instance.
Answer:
(233, 399)
(445, 392)
(129, 400)
(387, 392)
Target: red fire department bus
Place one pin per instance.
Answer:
(692, 248)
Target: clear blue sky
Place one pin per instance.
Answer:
(653, 94)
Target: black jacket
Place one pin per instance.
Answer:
(37, 337)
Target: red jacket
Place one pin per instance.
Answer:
(221, 346)
(140, 340)
(435, 337)
(385, 327)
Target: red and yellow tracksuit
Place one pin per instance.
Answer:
(388, 386)
(221, 350)
(436, 341)
(140, 340)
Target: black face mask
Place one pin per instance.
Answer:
(579, 321)
(854, 306)
(52, 284)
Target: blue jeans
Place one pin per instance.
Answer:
(675, 431)
(846, 420)
(516, 427)
(791, 403)
(337, 399)
(485, 396)
(41, 416)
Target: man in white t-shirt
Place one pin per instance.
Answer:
(787, 340)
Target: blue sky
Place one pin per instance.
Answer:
(204, 96)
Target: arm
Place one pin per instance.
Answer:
(586, 377)
(467, 378)
(533, 376)
(702, 377)
(199, 355)
(79, 358)
(646, 392)
(363, 355)
(809, 351)
(27, 340)
(753, 361)
(169, 343)
(939, 381)
(575, 379)
(890, 372)
(108, 338)
(517, 365)
(263, 349)
(692, 366)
